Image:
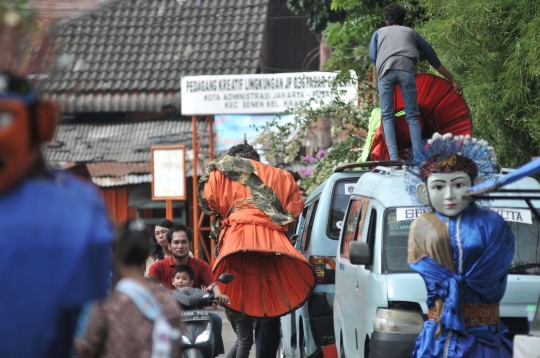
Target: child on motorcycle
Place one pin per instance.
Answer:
(183, 276)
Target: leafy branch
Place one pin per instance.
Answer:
(349, 131)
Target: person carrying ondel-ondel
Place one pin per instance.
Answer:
(394, 50)
(255, 205)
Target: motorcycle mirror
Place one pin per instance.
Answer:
(226, 278)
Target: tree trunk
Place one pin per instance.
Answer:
(324, 124)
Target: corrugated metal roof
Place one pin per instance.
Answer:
(126, 54)
(117, 174)
(113, 169)
(123, 143)
(123, 180)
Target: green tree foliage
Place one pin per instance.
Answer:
(493, 48)
(319, 13)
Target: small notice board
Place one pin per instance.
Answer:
(168, 172)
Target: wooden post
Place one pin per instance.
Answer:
(169, 210)
(194, 161)
(198, 239)
(211, 140)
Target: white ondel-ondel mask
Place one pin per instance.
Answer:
(444, 192)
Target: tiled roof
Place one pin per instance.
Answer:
(124, 142)
(136, 46)
(115, 102)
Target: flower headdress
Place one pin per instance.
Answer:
(447, 154)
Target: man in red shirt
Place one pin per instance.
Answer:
(180, 238)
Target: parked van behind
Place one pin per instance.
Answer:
(380, 306)
(317, 233)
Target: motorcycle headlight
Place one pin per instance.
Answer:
(185, 340)
(398, 321)
(205, 336)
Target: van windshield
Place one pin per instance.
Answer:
(526, 257)
(340, 199)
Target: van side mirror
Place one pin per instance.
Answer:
(359, 253)
(226, 278)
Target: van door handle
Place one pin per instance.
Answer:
(357, 284)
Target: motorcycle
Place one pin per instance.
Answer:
(197, 338)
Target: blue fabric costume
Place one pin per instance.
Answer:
(482, 250)
(54, 256)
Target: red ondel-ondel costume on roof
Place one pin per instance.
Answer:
(442, 110)
(271, 277)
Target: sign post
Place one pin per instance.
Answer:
(168, 175)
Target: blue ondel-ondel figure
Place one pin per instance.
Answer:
(461, 250)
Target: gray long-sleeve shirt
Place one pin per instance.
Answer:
(397, 47)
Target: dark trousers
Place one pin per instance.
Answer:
(267, 337)
(243, 327)
(217, 327)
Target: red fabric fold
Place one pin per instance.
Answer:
(442, 110)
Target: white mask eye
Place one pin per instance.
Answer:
(6, 119)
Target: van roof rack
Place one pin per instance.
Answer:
(342, 168)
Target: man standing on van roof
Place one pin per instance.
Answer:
(394, 50)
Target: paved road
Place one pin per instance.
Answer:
(228, 334)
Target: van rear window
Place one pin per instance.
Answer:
(340, 199)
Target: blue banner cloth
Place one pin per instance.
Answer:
(482, 251)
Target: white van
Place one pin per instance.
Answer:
(380, 306)
(303, 330)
